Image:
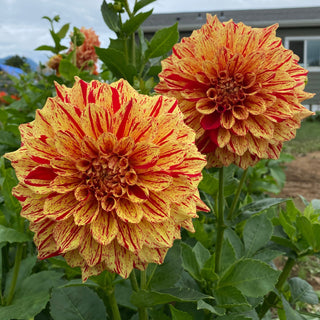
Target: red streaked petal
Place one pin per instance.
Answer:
(86, 211)
(68, 236)
(60, 206)
(144, 155)
(128, 211)
(104, 228)
(130, 236)
(156, 209)
(92, 251)
(155, 181)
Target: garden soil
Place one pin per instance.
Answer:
(303, 177)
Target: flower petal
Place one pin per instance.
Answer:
(130, 236)
(68, 236)
(128, 211)
(156, 209)
(104, 228)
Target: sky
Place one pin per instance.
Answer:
(22, 28)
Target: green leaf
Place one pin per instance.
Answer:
(46, 48)
(201, 253)
(267, 255)
(207, 272)
(168, 273)
(229, 297)
(8, 139)
(162, 42)
(189, 261)
(141, 4)
(228, 256)
(145, 298)
(310, 232)
(301, 290)
(115, 61)
(235, 242)
(256, 234)
(179, 315)
(68, 70)
(209, 183)
(252, 277)
(202, 305)
(110, 17)
(289, 312)
(123, 292)
(32, 296)
(132, 24)
(24, 271)
(73, 303)
(11, 235)
(260, 205)
(63, 31)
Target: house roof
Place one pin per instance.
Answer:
(13, 71)
(286, 18)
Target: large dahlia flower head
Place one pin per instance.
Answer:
(239, 89)
(107, 177)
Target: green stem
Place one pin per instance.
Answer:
(151, 275)
(133, 280)
(15, 273)
(220, 221)
(143, 312)
(143, 315)
(271, 299)
(113, 303)
(237, 195)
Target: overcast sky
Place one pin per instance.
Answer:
(22, 28)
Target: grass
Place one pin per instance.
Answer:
(307, 139)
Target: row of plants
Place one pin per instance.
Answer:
(148, 255)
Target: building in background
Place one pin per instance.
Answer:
(299, 29)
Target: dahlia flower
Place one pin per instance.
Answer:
(239, 89)
(54, 63)
(86, 51)
(107, 177)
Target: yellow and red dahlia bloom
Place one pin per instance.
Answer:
(107, 177)
(239, 89)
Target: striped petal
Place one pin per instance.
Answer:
(128, 211)
(104, 228)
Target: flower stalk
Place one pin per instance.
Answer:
(237, 195)
(271, 299)
(220, 221)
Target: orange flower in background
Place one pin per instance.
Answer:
(86, 51)
(239, 89)
(54, 63)
(107, 177)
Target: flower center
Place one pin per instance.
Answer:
(107, 178)
(228, 91)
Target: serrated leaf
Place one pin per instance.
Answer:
(168, 273)
(32, 296)
(235, 242)
(209, 183)
(25, 270)
(116, 62)
(260, 205)
(228, 256)
(162, 42)
(202, 305)
(63, 31)
(189, 261)
(110, 17)
(229, 297)
(256, 234)
(73, 303)
(11, 235)
(301, 290)
(252, 277)
(68, 70)
(145, 298)
(141, 4)
(178, 314)
(267, 255)
(132, 24)
(201, 253)
(289, 312)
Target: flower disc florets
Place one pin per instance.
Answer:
(239, 89)
(107, 177)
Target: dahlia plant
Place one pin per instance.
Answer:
(122, 203)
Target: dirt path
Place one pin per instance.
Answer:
(303, 177)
